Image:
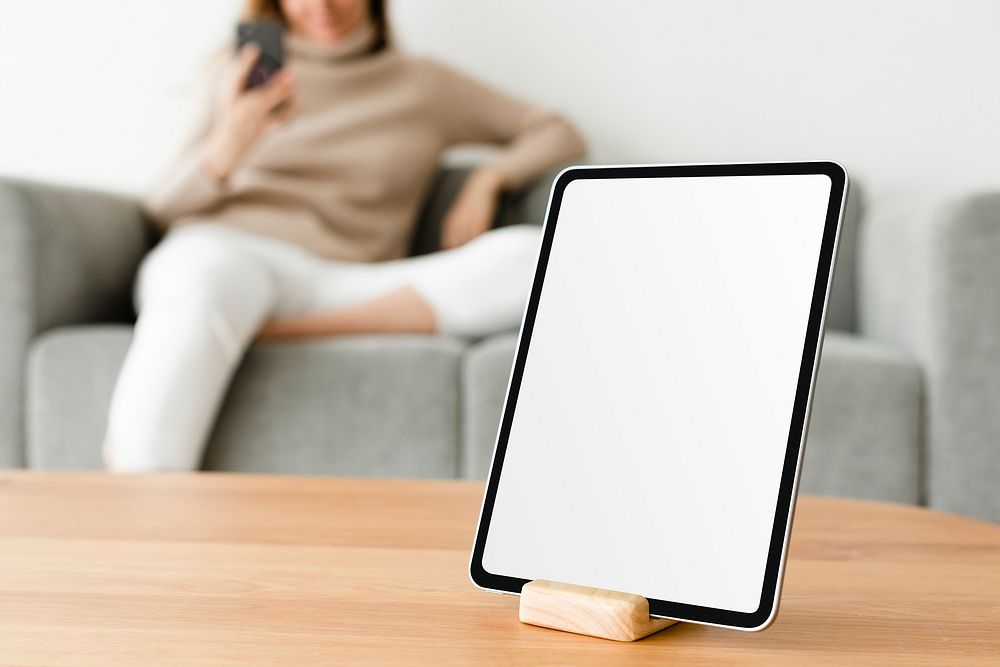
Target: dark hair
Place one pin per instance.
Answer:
(259, 9)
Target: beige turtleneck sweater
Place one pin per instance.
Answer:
(346, 177)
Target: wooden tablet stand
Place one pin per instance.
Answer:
(601, 613)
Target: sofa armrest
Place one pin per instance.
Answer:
(66, 256)
(929, 275)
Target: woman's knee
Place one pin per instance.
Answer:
(199, 264)
(200, 286)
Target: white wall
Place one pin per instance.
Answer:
(906, 93)
(97, 92)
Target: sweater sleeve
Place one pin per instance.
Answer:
(188, 186)
(534, 139)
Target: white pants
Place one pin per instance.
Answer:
(204, 292)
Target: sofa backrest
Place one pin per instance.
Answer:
(842, 312)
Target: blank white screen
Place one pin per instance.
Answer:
(646, 448)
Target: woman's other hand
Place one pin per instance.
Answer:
(475, 207)
(244, 116)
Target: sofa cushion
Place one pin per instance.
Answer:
(364, 406)
(864, 436)
(71, 373)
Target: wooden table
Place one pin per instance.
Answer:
(218, 569)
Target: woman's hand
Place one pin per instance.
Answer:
(474, 208)
(244, 116)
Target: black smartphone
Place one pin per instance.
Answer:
(267, 35)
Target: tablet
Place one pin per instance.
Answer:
(657, 408)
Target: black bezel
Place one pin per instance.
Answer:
(789, 475)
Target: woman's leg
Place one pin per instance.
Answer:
(481, 287)
(201, 300)
(401, 311)
(473, 290)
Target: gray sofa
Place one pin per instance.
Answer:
(907, 404)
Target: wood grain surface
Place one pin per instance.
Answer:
(225, 569)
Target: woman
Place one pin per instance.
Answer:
(292, 213)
